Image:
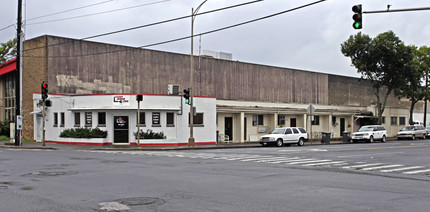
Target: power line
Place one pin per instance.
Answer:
(65, 11)
(187, 37)
(147, 25)
(232, 26)
(7, 27)
(170, 20)
(99, 13)
(69, 10)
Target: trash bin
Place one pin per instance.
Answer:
(325, 137)
(346, 137)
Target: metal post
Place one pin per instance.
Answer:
(191, 141)
(43, 122)
(138, 123)
(425, 102)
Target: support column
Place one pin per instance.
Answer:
(242, 127)
(305, 122)
(330, 116)
(275, 120)
(352, 124)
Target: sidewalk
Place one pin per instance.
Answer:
(55, 146)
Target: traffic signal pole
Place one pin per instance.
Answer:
(43, 122)
(398, 10)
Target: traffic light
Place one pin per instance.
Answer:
(187, 96)
(44, 88)
(357, 17)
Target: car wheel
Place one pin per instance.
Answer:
(279, 143)
(383, 139)
(264, 144)
(371, 140)
(301, 142)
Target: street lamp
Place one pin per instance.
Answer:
(191, 141)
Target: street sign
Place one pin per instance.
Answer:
(311, 110)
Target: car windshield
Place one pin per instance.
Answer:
(278, 131)
(365, 129)
(408, 128)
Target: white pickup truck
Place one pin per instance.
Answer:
(287, 135)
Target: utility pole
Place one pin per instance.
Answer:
(425, 102)
(18, 75)
(191, 140)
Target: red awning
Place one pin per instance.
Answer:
(8, 66)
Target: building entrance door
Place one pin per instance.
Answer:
(120, 129)
(342, 126)
(228, 128)
(293, 122)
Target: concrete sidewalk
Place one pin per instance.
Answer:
(55, 146)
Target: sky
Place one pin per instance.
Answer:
(307, 39)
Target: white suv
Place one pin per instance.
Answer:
(370, 133)
(288, 135)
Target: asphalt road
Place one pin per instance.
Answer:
(392, 176)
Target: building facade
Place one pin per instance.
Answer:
(251, 99)
(117, 114)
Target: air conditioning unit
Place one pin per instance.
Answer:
(172, 89)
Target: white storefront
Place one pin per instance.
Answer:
(117, 114)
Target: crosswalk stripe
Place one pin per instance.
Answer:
(363, 165)
(288, 160)
(381, 167)
(310, 161)
(402, 169)
(294, 160)
(324, 163)
(418, 171)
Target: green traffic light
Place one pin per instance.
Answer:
(187, 101)
(357, 25)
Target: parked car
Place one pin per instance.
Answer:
(287, 135)
(412, 132)
(428, 131)
(370, 133)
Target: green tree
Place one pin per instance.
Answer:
(381, 60)
(7, 50)
(414, 78)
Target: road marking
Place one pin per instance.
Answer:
(402, 169)
(309, 161)
(363, 165)
(324, 163)
(418, 171)
(292, 160)
(350, 156)
(382, 167)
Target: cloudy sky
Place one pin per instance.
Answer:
(306, 39)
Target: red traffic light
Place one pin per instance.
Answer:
(44, 91)
(356, 8)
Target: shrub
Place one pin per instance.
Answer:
(5, 128)
(83, 133)
(149, 134)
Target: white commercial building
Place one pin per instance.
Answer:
(117, 114)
